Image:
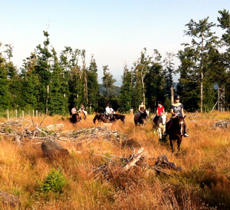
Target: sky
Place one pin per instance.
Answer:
(114, 31)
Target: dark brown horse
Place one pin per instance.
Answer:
(107, 119)
(175, 129)
(140, 118)
(74, 118)
(101, 117)
(119, 117)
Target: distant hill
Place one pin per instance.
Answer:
(115, 89)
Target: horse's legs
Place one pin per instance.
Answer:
(171, 144)
(159, 132)
(178, 143)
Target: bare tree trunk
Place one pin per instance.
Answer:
(143, 86)
(172, 95)
(201, 91)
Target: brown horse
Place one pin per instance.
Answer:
(101, 117)
(140, 118)
(175, 128)
(82, 115)
(74, 118)
(119, 117)
(107, 119)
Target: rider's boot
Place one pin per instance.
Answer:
(186, 135)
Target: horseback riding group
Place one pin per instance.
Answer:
(77, 116)
(176, 127)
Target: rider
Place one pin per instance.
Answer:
(111, 111)
(142, 107)
(177, 109)
(108, 111)
(82, 109)
(160, 110)
(73, 110)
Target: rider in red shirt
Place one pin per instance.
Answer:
(160, 108)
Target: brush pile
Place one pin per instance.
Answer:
(222, 124)
(118, 166)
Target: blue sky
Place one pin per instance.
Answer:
(114, 31)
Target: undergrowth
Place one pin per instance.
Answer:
(70, 183)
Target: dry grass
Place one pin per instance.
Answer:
(204, 182)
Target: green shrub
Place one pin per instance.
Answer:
(55, 181)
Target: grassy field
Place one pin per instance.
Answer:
(203, 183)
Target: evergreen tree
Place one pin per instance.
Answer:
(58, 88)
(222, 72)
(76, 86)
(202, 39)
(108, 81)
(93, 86)
(5, 96)
(42, 69)
(169, 70)
(126, 90)
(155, 82)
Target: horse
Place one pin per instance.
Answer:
(74, 118)
(101, 117)
(140, 118)
(175, 128)
(159, 124)
(119, 117)
(82, 114)
(105, 118)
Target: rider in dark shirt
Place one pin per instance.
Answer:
(177, 109)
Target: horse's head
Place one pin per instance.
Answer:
(147, 112)
(163, 118)
(181, 123)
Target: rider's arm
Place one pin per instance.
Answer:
(182, 111)
(172, 112)
(139, 108)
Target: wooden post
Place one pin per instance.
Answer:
(7, 114)
(172, 95)
(47, 98)
(218, 99)
(36, 113)
(23, 114)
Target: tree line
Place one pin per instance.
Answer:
(54, 84)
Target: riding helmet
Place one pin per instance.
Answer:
(177, 97)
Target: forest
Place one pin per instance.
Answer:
(53, 84)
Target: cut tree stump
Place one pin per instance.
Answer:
(52, 149)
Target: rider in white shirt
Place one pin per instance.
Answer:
(107, 110)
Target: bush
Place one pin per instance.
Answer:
(55, 181)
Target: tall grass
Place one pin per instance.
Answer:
(203, 183)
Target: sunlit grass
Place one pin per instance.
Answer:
(204, 158)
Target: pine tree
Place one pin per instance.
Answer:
(202, 39)
(108, 81)
(30, 83)
(42, 69)
(126, 90)
(58, 88)
(92, 85)
(5, 96)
